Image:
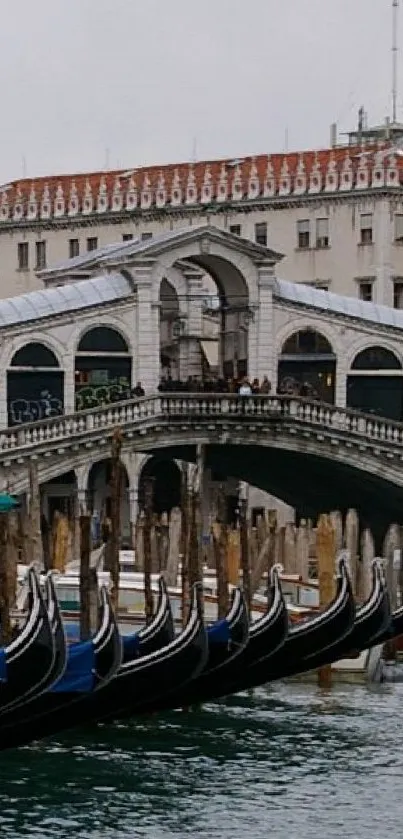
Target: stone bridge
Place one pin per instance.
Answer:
(312, 455)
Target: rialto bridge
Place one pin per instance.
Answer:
(137, 311)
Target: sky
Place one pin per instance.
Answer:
(102, 84)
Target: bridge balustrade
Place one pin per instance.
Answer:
(174, 407)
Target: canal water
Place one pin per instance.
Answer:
(287, 762)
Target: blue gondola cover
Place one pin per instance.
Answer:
(131, 644)
(3, 665)
(79, 674)
(219, 633)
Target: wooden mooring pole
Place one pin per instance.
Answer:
(326, 555)
(116, 497)
(148, 521)
(220, 538)
(245, 564)
(85, 577)
(6, 597)
(185, 543)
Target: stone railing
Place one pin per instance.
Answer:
(139, 414)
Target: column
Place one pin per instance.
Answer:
(69, 384)
(147, 361)
(264, 324)
(80, 507)
(134, 508)
(191, 352)
(3, 399)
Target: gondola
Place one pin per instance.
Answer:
(90, 666)
(266, 636)
(155, 635)
(318, 633)
(26, 662)
(159, 671)
(226, 638)
(371, 626)
(60, 649)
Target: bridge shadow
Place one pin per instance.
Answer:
(307, 482)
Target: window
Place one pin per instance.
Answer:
(74, 248)
(324, 285)
(23, 256)
(235, 229)
(145, 236)
(303, 233)
(40, 252)
(322, 232)
(366, 229)
(127, 237)
(399, 227)
(92, 243)
(261, 233)
(365, 290)
(398, 294)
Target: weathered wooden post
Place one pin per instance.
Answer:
(116, 497)
(244, 544)
(391, 552)
(185, 543)
(326, 554)
(220, 540)
(148, 523)
(174, 540)
(5, 599)
(290, 551)
(35, 516)
(351, 539)
(302, 550)
(85, 578)
(367, 555)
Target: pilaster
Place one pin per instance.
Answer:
(263, 325)
(69, 384)
(146, 365)
(190, 348)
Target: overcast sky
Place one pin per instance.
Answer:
(89, 84)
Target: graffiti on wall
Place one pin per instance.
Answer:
(93, 395)
(31, 410)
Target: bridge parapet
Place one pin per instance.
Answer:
(142, 414)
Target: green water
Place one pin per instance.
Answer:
(288, 762)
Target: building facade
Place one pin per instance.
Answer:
(99, 326)
(335, 214)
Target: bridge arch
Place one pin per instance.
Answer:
(166, 476)
(375, 381)
(35, 384)
(307, 365)
(102, 367)
(99, 497)
(235, 278)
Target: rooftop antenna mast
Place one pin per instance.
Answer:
(395, 10)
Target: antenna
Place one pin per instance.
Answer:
(395, 11)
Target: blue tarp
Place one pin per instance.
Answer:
(79, 674)
(3, 665)
(131, 645)
(7, 502)
(219, 633)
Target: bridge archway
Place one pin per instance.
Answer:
(103, 368)
(307, 366)
(375, 383)
(35, 384)
(99, 497)
(166, 478)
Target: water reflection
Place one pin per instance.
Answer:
(289, 761)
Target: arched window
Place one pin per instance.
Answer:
(103, 367)
(102, 339)
(376, 358)
(307, 342)
(34, 355)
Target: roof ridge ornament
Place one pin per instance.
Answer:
(117, 195)
(207, 187)
(269, 188)
(73, 199)
(315, 177)
(253, 181)
(161, 194)
(102, 202)
(32, 210)
(300, 181)
(59, 206)
(176, 189)
(191, 186)
(88, 201)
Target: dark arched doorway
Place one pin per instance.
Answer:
(35, 385)
(103, 368)
(375, 383)
(307, 366)
(99, 497)
(166, 478)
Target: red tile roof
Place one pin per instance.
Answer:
(310, 159)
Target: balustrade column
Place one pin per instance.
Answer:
(147, 361)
